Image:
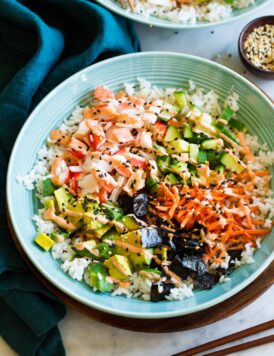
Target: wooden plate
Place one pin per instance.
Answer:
(185, 322)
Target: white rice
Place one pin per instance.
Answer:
(139, 286)
(208, 11)
(75, 268)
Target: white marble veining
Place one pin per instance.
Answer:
(83, 336)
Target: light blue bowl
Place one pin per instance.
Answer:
(114, 6)
(163, 69)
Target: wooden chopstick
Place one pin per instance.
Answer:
(241, 347)
(226, 339)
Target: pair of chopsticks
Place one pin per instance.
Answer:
(233, 337)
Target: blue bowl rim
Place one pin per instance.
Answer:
(12, 211)
(152, 21)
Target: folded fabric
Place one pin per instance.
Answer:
(41, 44)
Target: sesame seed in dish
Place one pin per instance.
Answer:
(259, 47)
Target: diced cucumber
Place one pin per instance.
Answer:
(172, 108)
(194, 151)
(220, 169)
(212, 157)
(197, 138)
(172, 133)
(165, 116)
(227, 112)
(187, 132)
(44, 241)
(59, 236)
(151, 181)
(171, 179)
(112, 211)
(48, 187)
(98, 274)
(181, 99)
(236, 124)
(163, 163)
(179, 146)
(221, 128)
(202, 157)
(130, 223)
(211, 144)
(160, 150)
(154, 188)
(179, 168)
(232, 163)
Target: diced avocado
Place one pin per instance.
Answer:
(165, 115)
(163, 163)
(227, 114)
(202, 157)
(232, 163)
(172, 133)
(130, 223)
(63, 198)
(220, 169)
(98, 274)
(150, 273)
(112, 234)
(179, 146)
(194, 151)
(49, 203)
(133, 238)
(187, 133)
(118, 267)
(140, 260)
(212, 144)
(59, 236)
(94, 224)
(48, 188)
(112, 211)
(179, 168)
(181, 99)
(236, 124)
(162, 251)
(171, 179)
(105, 250)
(44, 241)
(86, 249)
(100, 232)
(160, 150)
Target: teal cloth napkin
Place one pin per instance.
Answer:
(42, 42)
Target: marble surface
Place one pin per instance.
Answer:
(83, 336)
